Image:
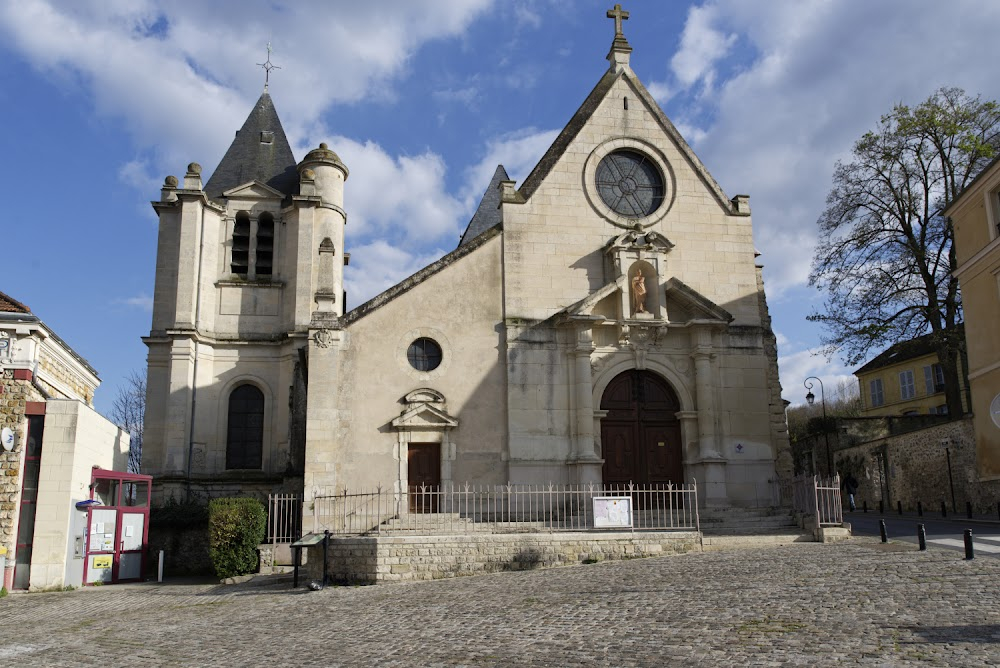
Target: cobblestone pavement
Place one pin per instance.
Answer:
(857, 603)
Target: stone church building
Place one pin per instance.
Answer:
(602, 321)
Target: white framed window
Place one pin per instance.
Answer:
(907, 388)
(876, 393)
(933, 378)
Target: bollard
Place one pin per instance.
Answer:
(968, 509)
(881, 531)
(865, 506)
(921, 537)
(899, 507)
(998, 509)
(920, 509)
(969, 551)
(944, 510)
(159, 568)
(881, 508)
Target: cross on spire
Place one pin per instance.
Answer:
(618, 15)
(268, 66)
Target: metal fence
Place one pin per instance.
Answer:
(820, 498)
(284, 518)
(506, 509)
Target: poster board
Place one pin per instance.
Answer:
(612, 512)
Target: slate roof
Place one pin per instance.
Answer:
(249, 158)
(488, 213)
(10, 305)
(903, 351)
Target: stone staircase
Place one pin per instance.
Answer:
(724, 528)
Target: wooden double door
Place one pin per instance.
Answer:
(640, 434)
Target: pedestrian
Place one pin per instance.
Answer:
(851, 487)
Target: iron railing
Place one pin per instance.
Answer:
(819, 498)
(284, 518)
(506, 509)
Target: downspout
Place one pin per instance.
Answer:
(194, 340)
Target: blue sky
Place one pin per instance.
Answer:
(422, 99)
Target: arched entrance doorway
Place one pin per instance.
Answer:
(640, 434)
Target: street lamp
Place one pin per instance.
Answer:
(810, 398)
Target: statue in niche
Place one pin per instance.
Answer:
(638, 293)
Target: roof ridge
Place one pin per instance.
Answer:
(15, 306)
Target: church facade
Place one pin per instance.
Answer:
(603, 321)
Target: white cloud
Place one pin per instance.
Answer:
(796, 366)
(814, 78)
(702, 45)
(380, 266)
(187, 70)
(517, 151)
(141, 301)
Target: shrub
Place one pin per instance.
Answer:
(235, 528)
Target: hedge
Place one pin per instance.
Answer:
(235, 528)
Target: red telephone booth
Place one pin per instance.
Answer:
(117, 527)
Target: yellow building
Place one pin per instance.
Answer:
(906, 379)
(975, 215)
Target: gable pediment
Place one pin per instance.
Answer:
(253, 190)
(424, 416)
(684, 304)
(612, 87)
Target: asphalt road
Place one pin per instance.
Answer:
(947, 533)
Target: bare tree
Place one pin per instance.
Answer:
(885, 256)
(128, 412)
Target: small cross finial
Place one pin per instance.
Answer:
(268, 66)
(618, 15)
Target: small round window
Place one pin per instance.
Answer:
(424, 354)
(630, 183)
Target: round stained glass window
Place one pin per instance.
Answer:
(424, 354)
(630, 183)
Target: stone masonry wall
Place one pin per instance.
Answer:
(779, 426)
(371, 560)
(917, 470)
(13, 396)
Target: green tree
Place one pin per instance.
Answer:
(885, 255)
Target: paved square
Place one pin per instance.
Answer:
(857, 603)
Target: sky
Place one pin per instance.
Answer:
(422, 99)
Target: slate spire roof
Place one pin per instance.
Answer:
(259, 152)
(488, 213)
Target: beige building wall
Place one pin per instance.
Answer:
(460, 307)
(77, 439)
(976, 219)
(925, 401)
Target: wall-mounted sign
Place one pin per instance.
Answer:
(995, 410)
(7, 438)
(102, 561)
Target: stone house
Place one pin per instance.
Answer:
(975, 217)
(603, 321)
(53, 439)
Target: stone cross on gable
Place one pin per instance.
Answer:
(618, 15)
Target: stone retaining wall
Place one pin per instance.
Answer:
(915, 468)
(376, 559)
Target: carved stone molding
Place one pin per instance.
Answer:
(323, 338)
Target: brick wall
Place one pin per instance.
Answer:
(371, 560)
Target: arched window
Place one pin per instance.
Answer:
(245, 438)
